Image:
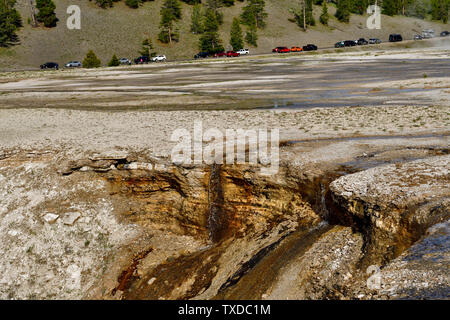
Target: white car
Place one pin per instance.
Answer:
(160, 58)
(243, 52)
(73, 64)
(125, 61)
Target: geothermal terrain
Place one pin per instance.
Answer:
(92, 207)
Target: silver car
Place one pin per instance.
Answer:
(73, 64)
(125, 61)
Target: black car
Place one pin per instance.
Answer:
(201, 55)
(445, 33)
(349, 43)
(395, 38)
(362, 41)
(309, 47)
(50, 65)
(142, 60)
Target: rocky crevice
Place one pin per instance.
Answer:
(393, 206)
(220, 204)
(217, 220)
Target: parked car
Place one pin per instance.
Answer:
(202, 55)
(349, 43)
(220, 54)
(281, 50)
(339, 44)
(296, 49)
(232, 54)
(73, 64)
(310, 47)
(142, 60)
(362, 42)
(50, 65)
(428, 34)
(418, 37)
(159, 58)
(445, 33)
(374, 41)
(243, 52)
(125, 61)
(395, 38)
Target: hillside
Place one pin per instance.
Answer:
(120, 30)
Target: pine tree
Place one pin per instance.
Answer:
(390, 7)
(46, 14)
(417, 8)
(404, 4)
(170, 13)
(360, 6)
(254, 13)
(91, 60)
(215, 6)
(236, 38)
(324, 16)
(10, 22)
(309, 13)
(210, 41)
(303, 14)
(228, 3)
(114, 62)
(147, 48)
(251, 36)
(133, 3)
(104, 3)
(343, 11)
(196, 20)
(439, 10)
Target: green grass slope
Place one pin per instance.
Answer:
(120, 30)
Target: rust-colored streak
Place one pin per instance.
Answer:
(127, 274)
(161, 282)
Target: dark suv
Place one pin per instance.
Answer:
(310, 47)
(50, 65)
(362, 41)
(201, 55)
(142, 60)
(395, 38)
(349, 43)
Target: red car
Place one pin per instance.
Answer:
(220, 54)
(232, 54)
(281, 50)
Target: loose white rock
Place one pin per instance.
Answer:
(139, 166)
(51, 218)
(70, 218)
